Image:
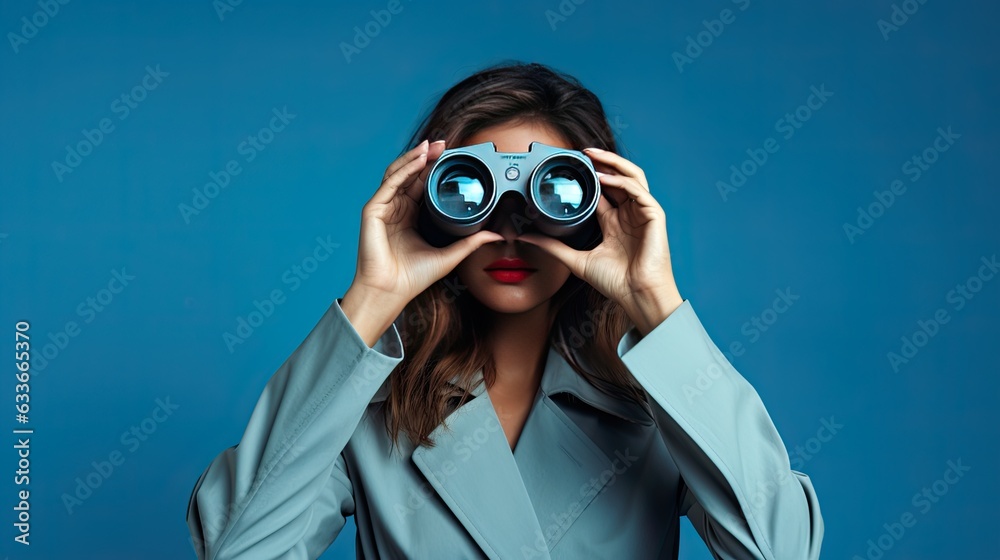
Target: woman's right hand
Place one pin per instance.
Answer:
(395, 263)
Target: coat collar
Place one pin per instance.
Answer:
(558, 377)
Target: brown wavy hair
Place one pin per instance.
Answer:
(442, 328)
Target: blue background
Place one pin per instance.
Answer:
(162, 335)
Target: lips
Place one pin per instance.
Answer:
(509, 271)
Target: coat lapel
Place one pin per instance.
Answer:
(473, 471)
(562, 467)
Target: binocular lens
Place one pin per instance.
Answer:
(560, 192)
(460, 193)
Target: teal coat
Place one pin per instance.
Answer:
(592, 476)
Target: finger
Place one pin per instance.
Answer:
(456, 252)
(622, 165)
(604, 168)
(605, 211)
(623, 188)
(434, 149)
(415, 189)
(617, 162)
(401, 176)
(611, 193)
(564, 253)
(404, 159)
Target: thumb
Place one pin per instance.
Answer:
(456, 252)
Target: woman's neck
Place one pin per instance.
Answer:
(519, 342)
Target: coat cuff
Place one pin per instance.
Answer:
(389, 344)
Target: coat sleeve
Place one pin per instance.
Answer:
(739, 490)
(283, 491)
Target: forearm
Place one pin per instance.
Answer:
(370, 312)
(649, 309)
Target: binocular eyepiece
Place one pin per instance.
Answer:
(559, 186)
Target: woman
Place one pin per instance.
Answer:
(458, 413)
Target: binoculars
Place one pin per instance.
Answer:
(559, 187)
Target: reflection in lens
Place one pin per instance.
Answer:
(560, 192)
(460, 192)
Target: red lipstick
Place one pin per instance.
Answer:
(509, 271)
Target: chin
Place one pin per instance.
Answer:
(516, 298)
(508, 300)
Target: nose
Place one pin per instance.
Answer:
(510, 217)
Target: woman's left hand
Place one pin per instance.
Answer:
(631, 266)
